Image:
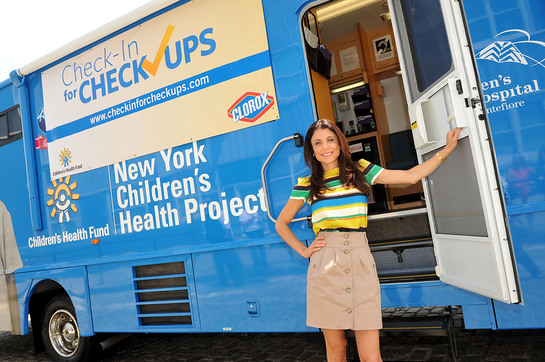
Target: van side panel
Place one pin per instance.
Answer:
(238, 275)
(509, 45)
(252, 289)
(14, 195)
(72, 280)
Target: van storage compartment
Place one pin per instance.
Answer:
(402, 247)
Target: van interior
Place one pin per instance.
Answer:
(356, 80)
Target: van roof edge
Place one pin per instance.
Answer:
(97, 34)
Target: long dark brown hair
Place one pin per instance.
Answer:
(348, 172)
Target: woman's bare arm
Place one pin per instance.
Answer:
(282, 227)
(422, 170)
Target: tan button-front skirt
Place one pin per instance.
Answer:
(343, 291)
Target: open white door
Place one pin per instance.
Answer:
(464, 205)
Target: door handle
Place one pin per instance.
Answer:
(298, 138)
(457, 95)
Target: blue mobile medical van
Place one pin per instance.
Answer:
(144, 164)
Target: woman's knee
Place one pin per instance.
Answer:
(336, 352)
(337, 346)
(368, 345)
(335, 342)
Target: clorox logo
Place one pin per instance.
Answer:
(250, 107)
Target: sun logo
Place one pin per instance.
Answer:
(62, 197)
(65, 157)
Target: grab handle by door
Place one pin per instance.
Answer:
(298, 138)
(418, 126)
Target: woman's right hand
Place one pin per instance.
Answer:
(316, 245)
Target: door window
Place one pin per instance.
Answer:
(428, 42)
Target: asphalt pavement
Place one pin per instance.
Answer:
(472, 345)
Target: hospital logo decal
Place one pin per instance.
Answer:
(40, 142)
(62, 199)
(250, 106)
(65, 157)
(506, 50)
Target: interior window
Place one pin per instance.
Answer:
(3, 127)
(14, 122)
(10, 126)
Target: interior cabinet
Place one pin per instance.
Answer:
(322, 96)
(382, 50)
(347, 59)
(405, 196)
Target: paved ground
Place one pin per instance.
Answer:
(473, 345)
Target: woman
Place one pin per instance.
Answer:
(343, 290)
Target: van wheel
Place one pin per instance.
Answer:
(60, 332)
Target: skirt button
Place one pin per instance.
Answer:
(346, 236)
(346, 251)
(346, 243)
(349, 310)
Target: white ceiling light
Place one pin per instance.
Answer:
(346, 87)
(341, 7)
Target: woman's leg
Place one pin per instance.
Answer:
(335, 344)
(368, 345)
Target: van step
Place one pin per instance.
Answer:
(402, 247)
(407, 227)
(422, 326)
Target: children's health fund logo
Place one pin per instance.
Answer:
(62, 199)
(65, 159)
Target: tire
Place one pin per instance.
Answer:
(60, 332)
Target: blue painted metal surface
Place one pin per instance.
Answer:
(509, 42)
(242, 276)
(13, 186)
(267, 275)
(30, 161)
(117, 281)
(74, 282)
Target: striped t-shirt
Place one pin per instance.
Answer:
(341, 208)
